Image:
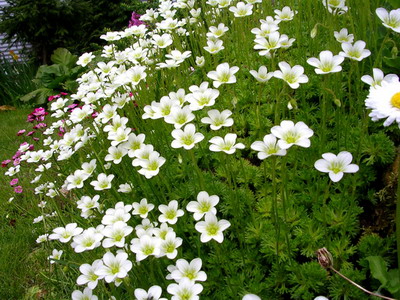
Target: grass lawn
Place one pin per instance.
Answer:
(21, 261)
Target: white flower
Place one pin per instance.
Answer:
(202, 97)
(214, 47)
(42, 238)
(186, 138)
(184, 269)
(336, 165)
(125, 188)
(241, 9)
(226, 144)
(390, 19)
(115, 234)
(286, 14)
(251, 297)
(223, 74)
(154, 293)
(170, 213)
(145, 246)
(335, 7)
(262, 75)
(55, 255)
(64, 234)
(103, 182)
(217, 31)
(378, 77)
(292, 134)
(85, 59)
(142, 209)
(265, 30)
(356, 51)
(180, 116)
(327, 63)
(89, 275)
(162, 41)
(185, 290)
(293, 76)
(211, 228)
(321, 298)
(267, 147)
(169, 245)
(266, 44)
(384, 101)
(115, 154)
(343, 36)
(115, 266)
(218, 119)
(151, 166)
(86, 295)
(200, 61)
(88, 240)
(203, 205)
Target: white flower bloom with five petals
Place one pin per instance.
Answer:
(390, 19)
(267, 147)
(336, 165)
(262, 75)
(223, 74)
(241, 9)
(211, 228)
(378, 77)
(204, 204)
(186, 138)
(327, 63)
(356, 51)
(293, 76)
(226, 144)
(343, 36)
(170, 213)
(290, 134)
(218, 119)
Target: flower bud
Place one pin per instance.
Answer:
(314, 31)
(325, 258)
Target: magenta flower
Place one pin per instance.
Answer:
(21, 132)
(14, 181)
(18, 189)
(30, 133)
(4, 163)
(16, 161)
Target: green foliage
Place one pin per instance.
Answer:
(54, 78)
(389, 280)
(15, 81)
(44, 26)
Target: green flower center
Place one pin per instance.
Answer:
(212, 229)
(148, 249)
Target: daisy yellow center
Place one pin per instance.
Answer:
(188, 139)
(395, 101)
(224, 77)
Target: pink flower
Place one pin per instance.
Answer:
(16, 161)
(18, 189)
(17, 154)
(21, 132)
(63, 94)
(36, 139)
(30, 133)
(4, 163)
(14, 181)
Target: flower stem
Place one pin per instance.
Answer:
(359, 286)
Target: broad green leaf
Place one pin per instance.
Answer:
(40, 95)
(63, 57)
(378, 269)
(393, 284)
